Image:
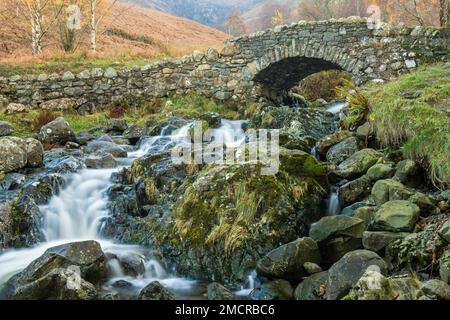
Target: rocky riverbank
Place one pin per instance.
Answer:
(388, 237)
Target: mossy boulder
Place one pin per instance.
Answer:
(354, 191)
(231, 216)
(337, 235)
(343, 150)
(345, 273)
(377, 241)
(409, 173)
(156, 291)
(18, 153)
(6, 129)
(329, 141)
(287, 261)
(57, 131)
(380, 171)
(444, 266)
(383, 190)
(444, 231)
(358, 164)
(312, 288)
(216, 291)
(375, 286)
(396, 216)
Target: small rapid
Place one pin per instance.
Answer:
(79, 211)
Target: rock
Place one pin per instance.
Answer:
(350, 210)
(218, 292)
(380, 171)
(396, 216)
(116, 126)
(444, 266)
(383, 189)
(213, 119)
(63, 104)
(358, 164)
(375, 286)
(19, 223)
(436, 290)
(64, 165)
(57, 132)
(327, 142)
(16, 108)
(132, 264)
(366, 214)
(6, 129)
(337, 235)
(312, 288)
(354, 191)
(409, 173)
(3, 102)
(133, 133)
(364, 131)
(343, 150)
(72, 145)
(416, 251)
(311, 268)
(444, 231)
(58, 284)
(35, 153)
(12, 181)
(425, 204)
(19, 153)
(273, 290)
(155, 291)
(83, 137)
(345, 273)
(378, 241)
(287, 261)
(104, 161)
(86, 258)
(104, 147)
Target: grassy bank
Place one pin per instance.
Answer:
(413, 112)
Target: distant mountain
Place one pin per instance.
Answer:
(209, 12)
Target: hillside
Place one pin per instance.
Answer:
(130, 31)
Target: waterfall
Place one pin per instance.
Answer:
(334, 207)
(250, 285)
(77, 213)
(335, 108)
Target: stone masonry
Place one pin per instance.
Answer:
(275, 59)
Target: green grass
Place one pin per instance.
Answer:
(74, 63)
(420, 125)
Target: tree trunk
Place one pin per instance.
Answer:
(36, 28)
(94, 25)
(444, 13)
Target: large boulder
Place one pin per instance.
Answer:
(102, 161)
(16, 108)
(86, 258)
(396, 216)
(156, 291)
(329, 141)
(358, 163)
(436, 289)
(380, 171)
(133, 133)
(312, 288)
(345, 273)
(287, 261)
(375, 286)
(337, 235)
(377, 241)
(273, 290)
(343, 150)
(116, 126)
(19, 153)
(57, 131)
(106, 147)
(63, 104)
(6, 129)
(231, 216)
(385, 190)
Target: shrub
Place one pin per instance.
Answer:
(117, 111)
(42, 119)
(323, 85)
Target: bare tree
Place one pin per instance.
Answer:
(444, 13)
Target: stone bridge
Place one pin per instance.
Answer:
(261, 63)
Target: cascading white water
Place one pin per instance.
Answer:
(337, 107)
(334, 207)
(76, 213)
(250, 285)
